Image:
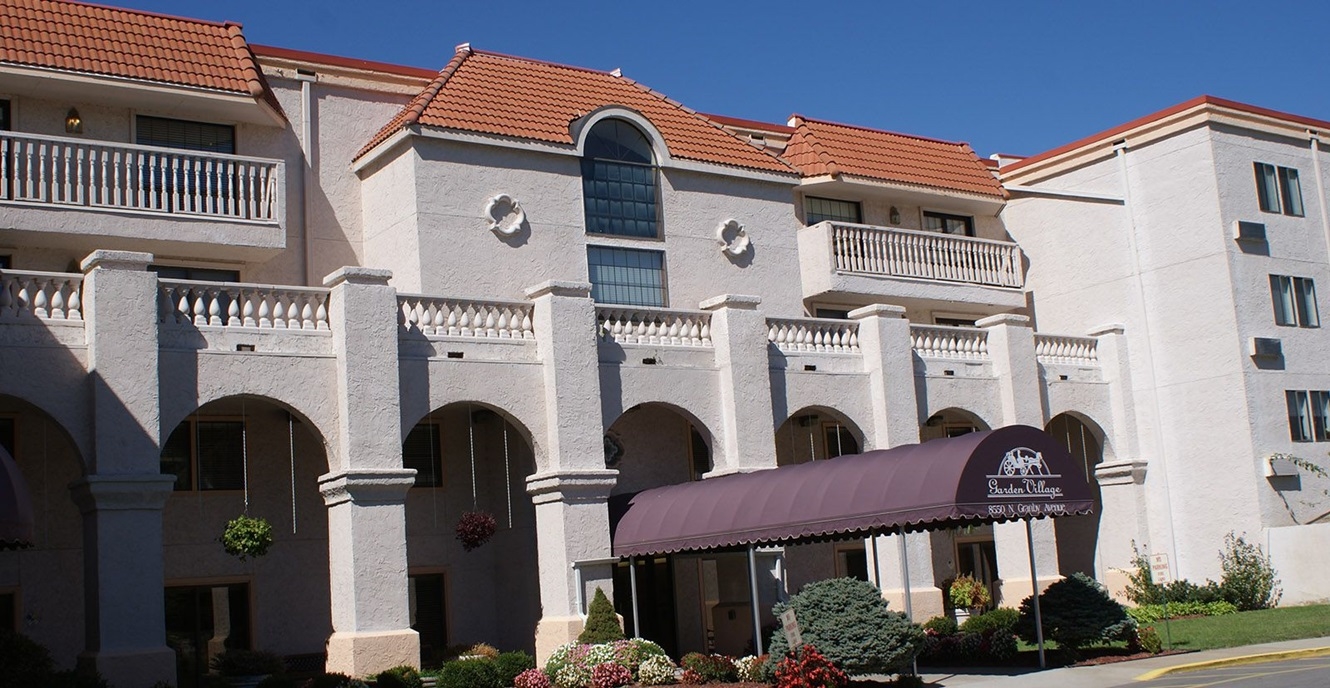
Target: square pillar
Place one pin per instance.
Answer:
(925, 597)
(565, 323)
(884, 339)
(748, 433)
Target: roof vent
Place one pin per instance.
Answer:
(617, 71)
(463, 48)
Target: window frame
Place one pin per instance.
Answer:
(664, 275)
(926, 215)
(6, 114)
(1298, 405)
(194, 467)
(588, 162)
(1279, 189)
(1294, 301)
(828, 217)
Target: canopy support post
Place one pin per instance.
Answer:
(877, 563)
(632, 585)
(752, 587)
(1034, 585)
(905, 579)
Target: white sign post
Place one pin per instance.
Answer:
(791, 627)
(1161, 574)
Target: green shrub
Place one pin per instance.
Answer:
(469, 673)
(333, 681)
(280, 681)
(1249, 580)
(1076, 612)
(849, 623)
(1001, 619)
(1148, 638)
(23, 662)
(1150, 613)
(509, 665)
(1141, 588)
(1187, 591)
(247, 663)
(941, 625)
(401, 677)
(602, 625)
(656, 671)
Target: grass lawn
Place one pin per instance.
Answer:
(1249, 628)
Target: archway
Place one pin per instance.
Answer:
(816, 433)
(972, 550)
(1078, 536)
(470, 458)
(255, 455)
(652, 445)
(41, 587)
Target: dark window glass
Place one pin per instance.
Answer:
(949, 224)
(700, 453)
(8, 612)
(177, 456)
(1299, 416)
(200, 274)
(1267, 187)
(6, 262)
(5, 123)
(1294, 299)
(830, 210)
(176, 133)
(1278, 189)
(854, 564)
(421, 451)
(429, 616)
(619, 189)
(201, 621)
(1290, 191)
(832, 313)
(1321, 416)
(220, 447)
(7, 426)
(840, 441)
(626, 276)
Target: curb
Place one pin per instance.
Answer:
(1235, 661)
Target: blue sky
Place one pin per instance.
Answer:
(1011, 76)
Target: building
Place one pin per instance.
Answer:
(360, 300)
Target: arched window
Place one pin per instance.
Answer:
(619, 188)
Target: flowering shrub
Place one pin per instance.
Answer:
(628, 654)
(573, 676)
(656, 670)
(712, 668)
(532, 678)
(750, 668)
(807, 668)
(610, 675)
(690, 677)
(475, 528)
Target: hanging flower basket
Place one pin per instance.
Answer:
(247, 536)
(475, 529)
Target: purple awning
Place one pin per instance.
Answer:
(16, 523)
(1006, 474)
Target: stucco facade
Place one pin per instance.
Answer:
(385, 295)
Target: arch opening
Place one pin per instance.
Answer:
(1078, 536)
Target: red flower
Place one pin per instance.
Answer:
(475, 529)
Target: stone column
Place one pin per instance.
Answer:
(571, 490)
(123, 493)
(1011, 349)
(747, 434)
(365, 488)
(573, 546)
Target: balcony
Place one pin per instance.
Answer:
(852, 263)
(66, 192)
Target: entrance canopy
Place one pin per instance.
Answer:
(1016, 472)
(16, 522)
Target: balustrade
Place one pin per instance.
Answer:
(462, 318)
(1066, 350)
(44, 295)
(655, 326)
(63, 171)
(243, 305)
(928, 255)
(813, 334)
(940, 341)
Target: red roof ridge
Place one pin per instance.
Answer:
(253, 75)
(1184, 106)
(809, 138)
(159, 15)
(547, 63)
(410, 113)
(748, 123)
(341, 61)
(881, 131)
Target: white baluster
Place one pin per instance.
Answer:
(247, 313)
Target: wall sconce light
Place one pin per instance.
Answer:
(894, 216)
(73, 123)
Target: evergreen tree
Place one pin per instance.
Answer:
(602, 625)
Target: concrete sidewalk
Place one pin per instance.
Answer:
(1120, 673)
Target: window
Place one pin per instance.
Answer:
(1294, 300)
(427, 597)
(5, 122)
(1278, 189)
(6, 262)
(198, 274)
(852, 562)
(619, 189)
(838, 440)
(631, 277)
(948, 224)
(829, 209)
(832, 313)
(422, 451)
(7, 424)
(185, 135)
(203, 620)
(953, 321)
(206, 454)
(8, 612)
(1308, 415)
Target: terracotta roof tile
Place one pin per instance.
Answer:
(93, 39)
(497, 94)
(819, 148)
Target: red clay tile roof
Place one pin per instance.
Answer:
(497, 94)
(820, 148)
(92, 39)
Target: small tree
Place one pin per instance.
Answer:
(850, 624)
(602, 624)
(1076, 612)
(1249, 580)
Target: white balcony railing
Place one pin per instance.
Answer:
(1049, 348)
(813, 334)
(654, 326)
(440, 317)
(927, 255)
(44, 295)
(225, 304)
(941, 341)
(117, 176)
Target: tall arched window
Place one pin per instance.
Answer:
(619, 188)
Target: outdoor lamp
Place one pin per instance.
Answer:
(894, 215)
(73, 123)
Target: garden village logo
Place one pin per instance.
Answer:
(1023, 485)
